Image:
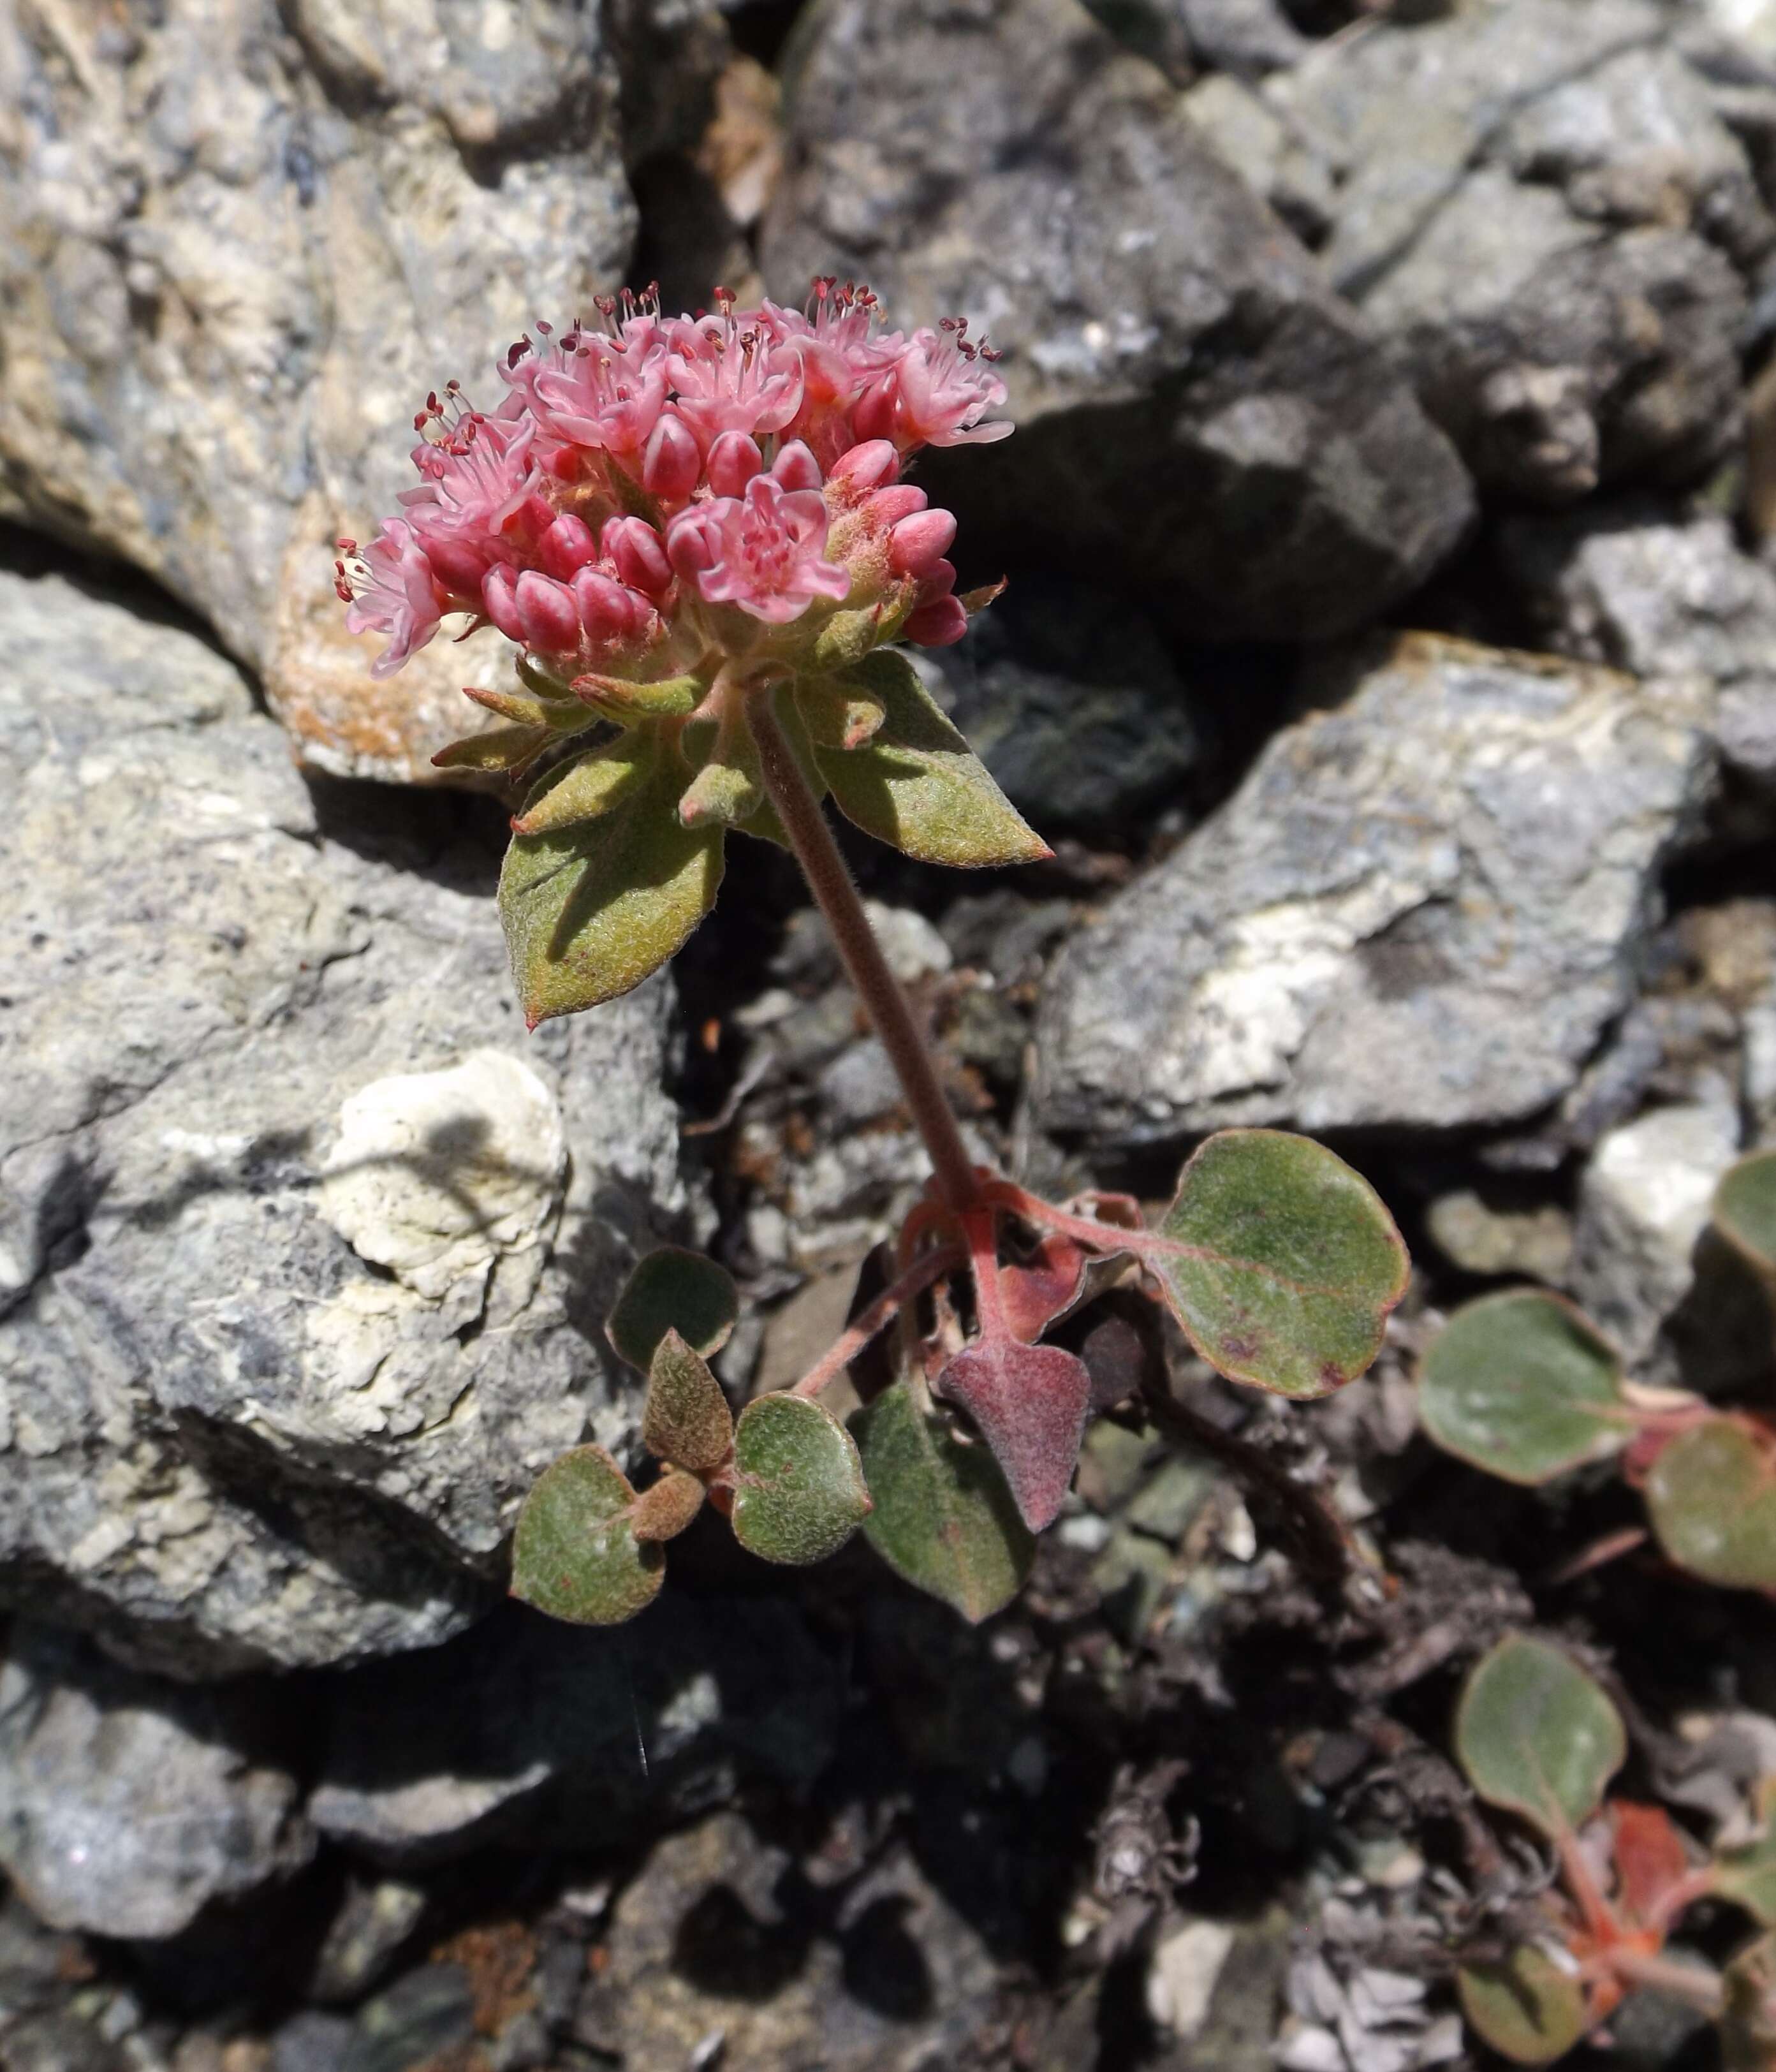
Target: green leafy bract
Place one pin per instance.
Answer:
(685, 1419)
(1522, 1385)
(1294, 1262)
(587, 788)
(1537, 1736)
(799, 1488)
(665, 1510)
(1526, 2006)
(499, 748)
(1744, 1209)
(671, 1290)
(915, 783)
(1748, 1874)
(1711, 1494)
(574, 1554)
(944, 1518)
(593, 909)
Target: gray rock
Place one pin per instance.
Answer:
(573, 1731)
(1538, 204)
(1479, 1238)
(305, 1246)
(128, 1804)
(1629, 584)
(1250, 37)
(1643, 1202)
(375, 1918)
(1421, 909)
(1069, 696)
(238, 243)
(1196, 409)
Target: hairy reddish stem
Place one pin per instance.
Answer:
(872, 1321)
(884, 1000)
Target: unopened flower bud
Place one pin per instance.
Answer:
(637, 552)
(567, 545)
(672, 463)
(918, 541)
(795, 467)
(607, 611)
(889, 507)
(734, 459)
(941, 624)
(693, 542)
(499, 601)
(546, 611)
(869, 466)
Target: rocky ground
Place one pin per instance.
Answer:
(1390, 654)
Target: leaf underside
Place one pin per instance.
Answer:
(1294, 1262)
(1030, 1403)
(1538, 1736)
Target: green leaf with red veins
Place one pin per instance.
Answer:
(1522, 1385)
(671, 1290)
(665, 1510)
(591, 910)
(1029, 1403)
(1748, 1874)
(1528, 2006)
(915, 783)
(1711, 1494)
(574, 1554)
(798, 1491)
(587, 788)
(1748, 2021)
(685, 1419)
(944, 1518)
(1537, 1736)
(1744, 1209)
(499, 748)
(1294, 1264)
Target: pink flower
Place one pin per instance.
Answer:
(767, 546)
(730, 375)
(601, 391)
(389, 588)
(936, 394)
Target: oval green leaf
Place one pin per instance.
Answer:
(799, 1489)
(1711, 1496)
(915, 783)
(574, 1554)
(585, 789)
(1527, 2007)
(944, 1518)
(1537, 1736)
(671, 1290)
(1748, 1874)
(1744, 1209)
(685, 1419)
(1293, 1262)
(1522, 1384)
(592, 910)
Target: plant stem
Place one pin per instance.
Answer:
(884, 1000)
(870, 1325)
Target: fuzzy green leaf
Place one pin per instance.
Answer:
(615, 697)
(574, 1554)
(1748, 1874)
(1748, 2021)
(838, 714)
(915, 783)
(1526, 2006)
(591, 910)
(587, 788)
(1711, 1494)
(685, 1419)
(1744, 1209)
(799, 1489)
(1294, 1262)
(665, 1510)
(671, 1290)
(1522, 1384)
(944, 1518)
(1537, 1735)
(559, 715)
(499, 748)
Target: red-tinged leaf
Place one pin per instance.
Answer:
(1710, 1493)
(664, 1510)
(685, 1417)
(1649, 1856)
(1030, 1403)
(1036, 1292)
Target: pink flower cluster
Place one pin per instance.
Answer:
(661, 489)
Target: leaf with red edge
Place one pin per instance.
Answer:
(666, 1508)
(1036, 1291)
(1030, 1403)
(1710, 1493)
(1651, 1859)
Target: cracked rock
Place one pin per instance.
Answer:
(238, 243)
(1421, 910)
(128, 1804)
(305, 1246)
(1539, 207)
(1224, 428)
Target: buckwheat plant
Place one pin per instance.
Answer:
(698, 535)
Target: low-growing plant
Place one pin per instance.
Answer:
(1522, 1384)
(1540, 1739)
(698, 534)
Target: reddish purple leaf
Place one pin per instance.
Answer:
(1046, 1283)
(1030, 1403)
